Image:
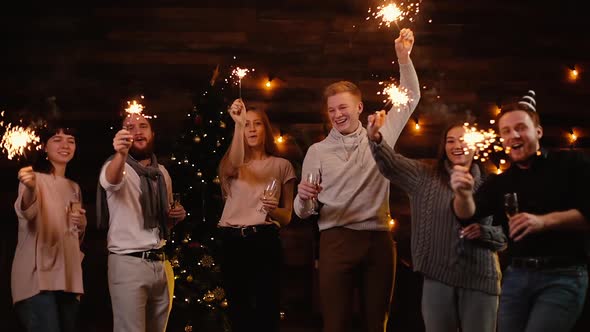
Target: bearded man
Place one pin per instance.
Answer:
(133, 198)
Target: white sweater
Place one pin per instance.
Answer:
(355, 195)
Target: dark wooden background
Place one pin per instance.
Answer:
(471, 57)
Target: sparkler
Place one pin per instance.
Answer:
(240, 73)
(134, 108)
(17, 140)
(396, 96)
(392, 13)
(481, 142)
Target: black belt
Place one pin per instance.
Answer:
(150, 255)
(546, 262)
(247, 231)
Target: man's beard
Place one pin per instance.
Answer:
(142, 154)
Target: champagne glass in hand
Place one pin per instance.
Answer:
(74, 208)
(175, 201)
(314, 179)
(270, 190)
(510, 204)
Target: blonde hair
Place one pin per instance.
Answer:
(340, 87)
(227, 171)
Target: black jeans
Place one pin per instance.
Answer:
(251, 269)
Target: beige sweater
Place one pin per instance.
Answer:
(48, 255)
(355, 195)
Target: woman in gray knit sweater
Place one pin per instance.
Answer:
(460, 266)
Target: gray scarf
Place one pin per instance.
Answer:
(154, 201)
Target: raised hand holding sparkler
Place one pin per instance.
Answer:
(122, 141)
(399, 96)
(26, 175)
(375, 122)
(403, 45)
(237, 111)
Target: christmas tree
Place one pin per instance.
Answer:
(199, 296)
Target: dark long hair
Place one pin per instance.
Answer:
(227, 172)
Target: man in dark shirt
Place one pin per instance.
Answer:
(545, 284)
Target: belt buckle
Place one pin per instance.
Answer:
(152, 256)
(246, 231)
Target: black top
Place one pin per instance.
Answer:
(555, 181)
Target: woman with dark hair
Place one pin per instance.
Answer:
(460, 266)
(258, 191)
(47, 268)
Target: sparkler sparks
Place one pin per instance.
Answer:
(396, 96)
(483, 143)
(134, 108)
(240, 73)
(392, 13)
(17, 140)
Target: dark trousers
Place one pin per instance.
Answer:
(351, 259)
(49, 311)
(251, 268)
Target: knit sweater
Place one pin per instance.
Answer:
(437, 250)
(355, 195)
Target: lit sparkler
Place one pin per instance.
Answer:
(240, 73)
(134, 108)
(483, 143)
(396, 96)
(392, 13)
(17, 140)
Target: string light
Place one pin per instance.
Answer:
(280, 139)
(573, 73)
(268, 83)
(572, 136)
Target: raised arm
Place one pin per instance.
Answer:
(462, 184)
(237, 111)
(121, 144)
(398, 116)
(398, 169)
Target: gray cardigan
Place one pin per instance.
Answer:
(437, 251)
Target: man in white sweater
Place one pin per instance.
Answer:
(356, 248)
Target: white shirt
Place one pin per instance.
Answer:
(126, 233)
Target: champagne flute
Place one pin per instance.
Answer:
(510, 204)
(175, 201)
(270, 190)
(314, 179)
(74, 208)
